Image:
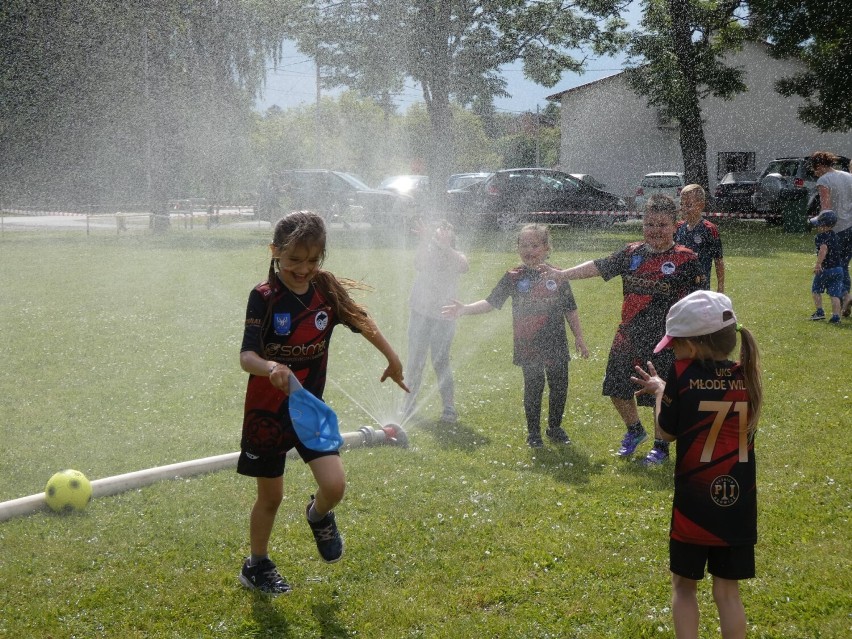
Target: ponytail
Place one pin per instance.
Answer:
(750, 362)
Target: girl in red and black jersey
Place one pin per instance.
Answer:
(710, 406)
(289, 322)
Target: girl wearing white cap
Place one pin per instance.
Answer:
(710, 406)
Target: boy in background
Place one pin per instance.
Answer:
(701, 235)
(828, 270)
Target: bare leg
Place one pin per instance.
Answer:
(732, 619)
(626, 409)
(331, 482)
(685, 607)
(817, 300)
(836, 306)
(270, 491)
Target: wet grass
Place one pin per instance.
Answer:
(120, 353)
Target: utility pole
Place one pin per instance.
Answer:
(317, 119)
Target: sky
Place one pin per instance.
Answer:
(293, 83)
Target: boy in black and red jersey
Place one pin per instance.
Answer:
(540, 308)
(289, 321)
(654, 274)
(698, 233)
(710, 406)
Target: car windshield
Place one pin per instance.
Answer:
(351, 179)
(786, 168)
(661, 181)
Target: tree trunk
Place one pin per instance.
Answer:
(693, 144)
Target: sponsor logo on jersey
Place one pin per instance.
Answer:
(321, 320)
(281, 323)
(551, 285)
(724, 491)
(668, 268)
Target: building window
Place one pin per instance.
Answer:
(728, 161)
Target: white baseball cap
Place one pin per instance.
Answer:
(699, 313)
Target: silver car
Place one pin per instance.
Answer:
(783, 174)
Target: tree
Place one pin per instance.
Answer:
(819, 33)
(678, 59)
(452, 48)
(128, 101)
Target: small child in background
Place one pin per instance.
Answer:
(710, 406)
(438, 266)
(700, 234)
(540, 308)
(828, 270)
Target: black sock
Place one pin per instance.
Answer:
(256, 559)
(662, 445)
(635, 429)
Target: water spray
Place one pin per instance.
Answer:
(391, 434)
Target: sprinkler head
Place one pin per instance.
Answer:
(395, 435)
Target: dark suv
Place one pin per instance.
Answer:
(334, 195)
(783, 174)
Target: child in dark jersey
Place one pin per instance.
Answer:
(540, 308)
(654, 274)
(698, 233)
(289, 321)
(710, 406)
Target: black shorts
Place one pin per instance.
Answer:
(620, 367)
(272, 466)
(725, 562)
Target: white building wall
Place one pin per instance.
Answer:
(609, 132)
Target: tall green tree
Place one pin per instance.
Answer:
(678, 58)
(452, 49)
(129, 101)
(819, 33)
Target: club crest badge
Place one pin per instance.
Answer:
(697, 239)
(550, 285)
(667, 268)
(724, 491)
(524, 285)
(321, 320)
(281, 323)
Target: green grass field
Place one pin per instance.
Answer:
(121, 353)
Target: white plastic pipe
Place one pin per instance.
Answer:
(364, 436)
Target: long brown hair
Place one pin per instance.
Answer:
(720, 345)
(306, 228)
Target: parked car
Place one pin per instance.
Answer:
(588, 179)
(413, 185)
(334, 195)
(734, 191)
(512, 196)
(461, 180)
(786, 173)
(668, 183)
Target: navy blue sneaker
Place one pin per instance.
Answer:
(329, 541)
(264, 577)
(558, 435)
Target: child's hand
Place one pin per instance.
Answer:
(452, 311)
(549, 271)
(580, 345)
(279, 377)
(650, 382)
(394, 371)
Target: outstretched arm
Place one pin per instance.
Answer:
(394, 369)
(579, 272)
(457, 309)
(652, 384)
